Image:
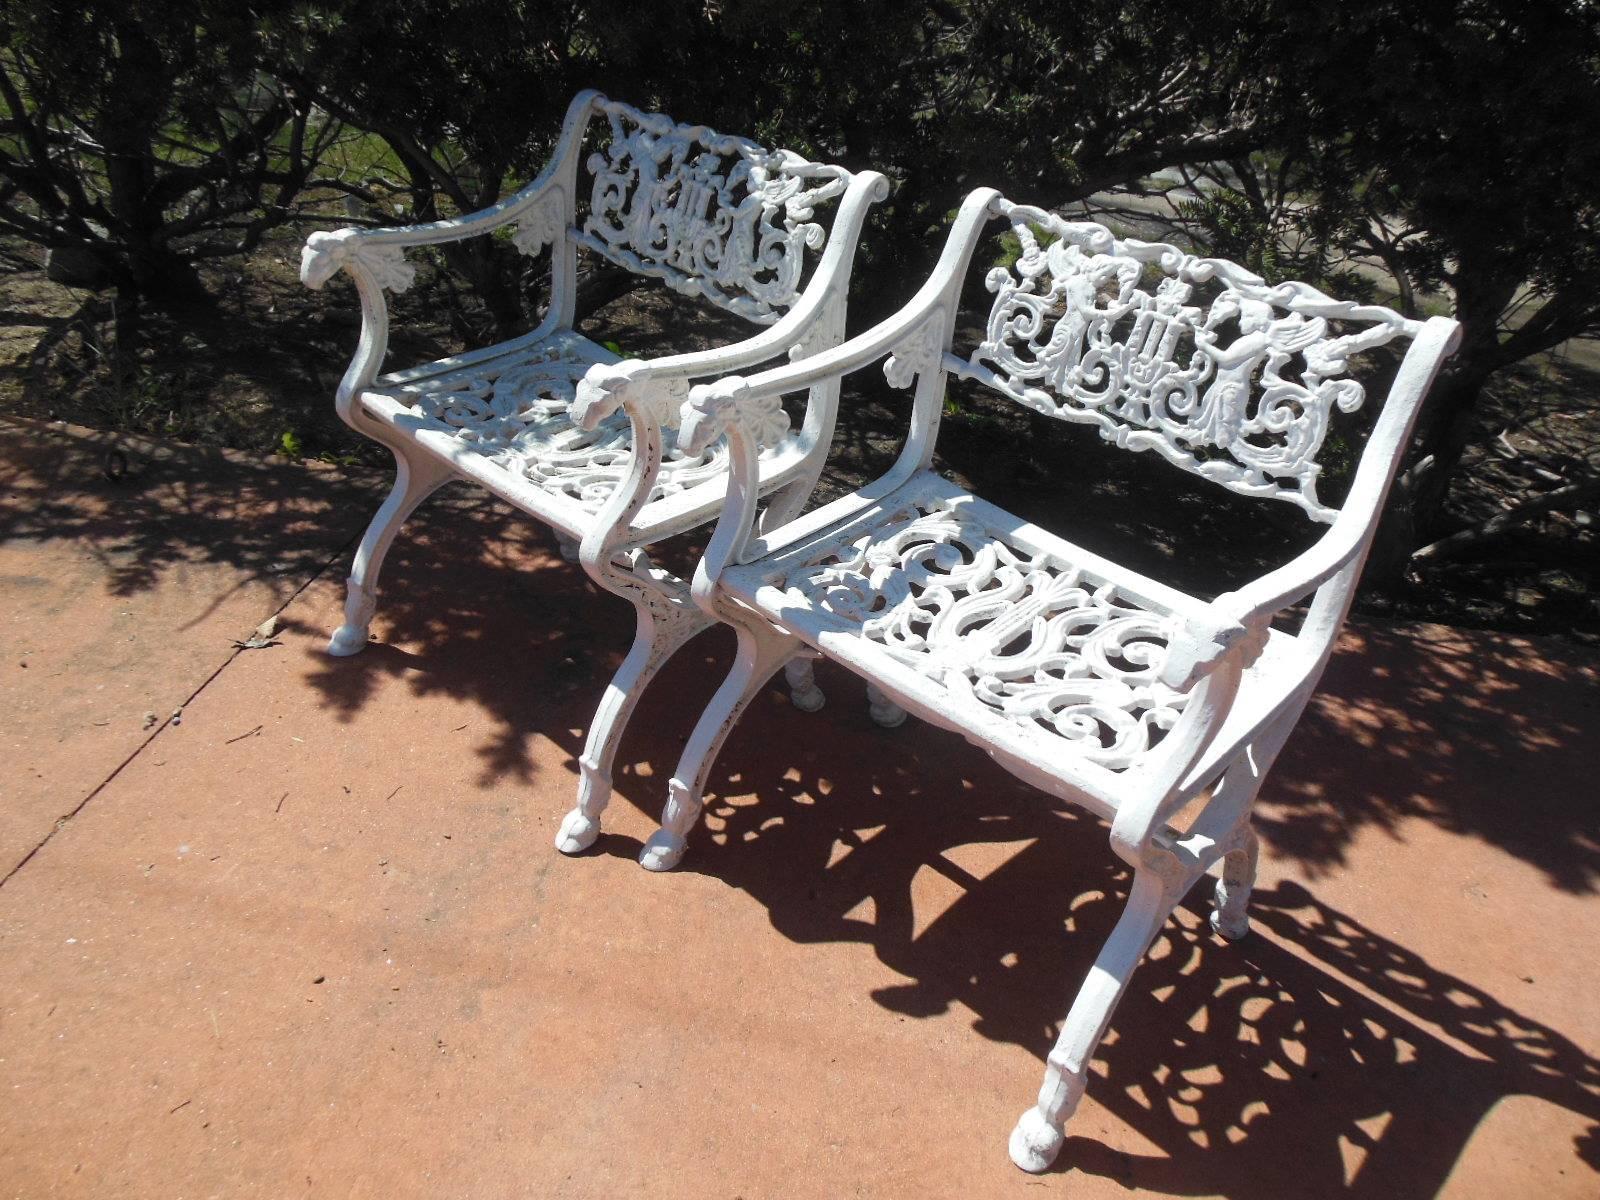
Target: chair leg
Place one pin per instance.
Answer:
(804, 693)
(416, 478)
(884, 711)
(663, 627)
(1037, 1139)
(761, 653)
(1230, 915)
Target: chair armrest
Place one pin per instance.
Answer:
(826, 289)
(1348, 539)
(890, 335)
(375, 258)
(544, 207)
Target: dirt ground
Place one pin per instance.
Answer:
(253, 367)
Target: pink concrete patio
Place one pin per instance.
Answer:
(311, 938)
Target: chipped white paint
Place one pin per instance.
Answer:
(1099, 685)
(553, 423)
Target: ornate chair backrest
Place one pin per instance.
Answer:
(718, 217)
(1197, 359)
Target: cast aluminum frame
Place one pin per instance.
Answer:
(1095, 683)
(552, 423)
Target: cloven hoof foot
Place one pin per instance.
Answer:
(577, 833)
(1232, 929)
(809, 700)
(887, 715)
(347, 640)
(1035, 1142)
(662, 852)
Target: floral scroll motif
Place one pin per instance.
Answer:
(1022, 635)
(541, 224)
(1218, 372)
(516, 414)
(714, 216)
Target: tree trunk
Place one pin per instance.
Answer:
(1442, 443)
(1416, 504)
(146, 265)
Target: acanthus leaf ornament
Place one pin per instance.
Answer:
(919, 353)
(542, 224)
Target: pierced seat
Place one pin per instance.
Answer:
(1012, 636)
(504, 417)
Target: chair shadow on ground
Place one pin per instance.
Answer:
(1316, 1058)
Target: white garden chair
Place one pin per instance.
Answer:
(553, 423)
(1095, 683)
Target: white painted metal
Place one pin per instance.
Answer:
(1093, 682)
(554, 424)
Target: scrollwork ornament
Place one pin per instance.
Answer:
(716, 217)
(1022, 636)
(920, 352)
(1213, 369)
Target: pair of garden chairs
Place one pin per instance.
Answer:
(1097, 684)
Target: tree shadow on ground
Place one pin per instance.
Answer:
(144, 508)
(1318, 1059)
(1260, 1070)
(1321, 1059)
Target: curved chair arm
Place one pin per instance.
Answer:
(827, 287)
(1208, 662)
(375, 258)
(750, 422)
(892, 333)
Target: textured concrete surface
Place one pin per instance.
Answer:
(313, 939)
(129, 568)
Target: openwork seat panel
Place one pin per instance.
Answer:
(514, 410)
(1005, 630)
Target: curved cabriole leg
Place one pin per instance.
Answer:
(416, 478)
(663, 628)
(760, 655)
(884, 711)
(804, 693)
(1037, 1139)
(1230, 915)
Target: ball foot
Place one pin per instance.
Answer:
(577, 833)
(662, 852)
(809, 700)
(1035, 1142)
(887, 715)
(347, 640)
(1229, 928)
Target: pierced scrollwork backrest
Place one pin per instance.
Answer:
(714, 216)
(1220, 373)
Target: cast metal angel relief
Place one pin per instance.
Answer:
(714, 216)
(1214, 369)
